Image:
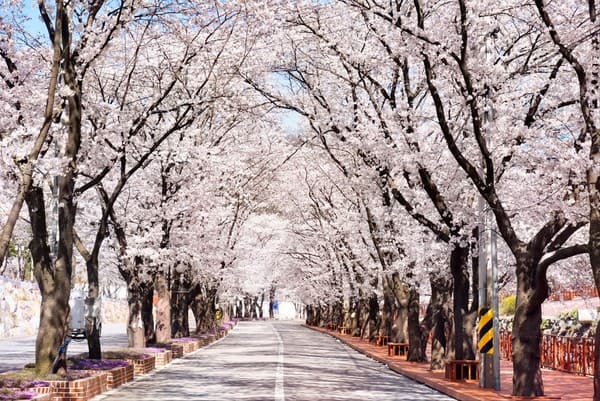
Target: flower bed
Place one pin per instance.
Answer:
(203, 339)
(118, 371)
(10, 394)
(190, 344)
(143, 364)
(79, 389)
(24, 389)
(175, 348)
(162, 356)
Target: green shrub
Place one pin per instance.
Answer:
(508, 305)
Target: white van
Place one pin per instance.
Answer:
(77, 303)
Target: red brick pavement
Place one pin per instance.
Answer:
(557, 385)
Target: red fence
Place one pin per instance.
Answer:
(567, 295)
(569, 354)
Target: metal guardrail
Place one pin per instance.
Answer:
(567, 354)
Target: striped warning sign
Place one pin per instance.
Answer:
(486, 331)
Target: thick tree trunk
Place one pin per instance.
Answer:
(147, 317)
(526, 334)
(594, 249)
(594, 235)
(54, 282)
(91, 320)
(163, 309)
(402, 296)
(92, 333)
(180, 301)
(135, 323)
(387, 317)
(239, 309)
(363, 317)
(415, 349)
(463, 339)
(370, 326)
(310, 317)
(271, 302)
(203, 308)
(355, 307)
(202, 314)
(437, 321)
(247, 307)
(338, 313)
(597, 364)
(260, 305)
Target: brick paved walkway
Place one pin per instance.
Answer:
(557, 385)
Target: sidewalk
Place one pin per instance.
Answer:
(557, 385)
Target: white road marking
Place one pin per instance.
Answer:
(279, 393)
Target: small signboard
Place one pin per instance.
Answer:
(587, 315)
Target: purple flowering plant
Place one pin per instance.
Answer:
(185, 340)
(97, 364)
(22, 384)
(162, 346)
(10, 394)
(154, 350)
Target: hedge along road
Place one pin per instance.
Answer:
(273, 361)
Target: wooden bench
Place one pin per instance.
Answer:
(397, 349)
(382, 340)
(344, 330)
(462, 369)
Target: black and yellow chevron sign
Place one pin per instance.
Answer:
(486, 331)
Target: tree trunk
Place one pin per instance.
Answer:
(402, 296)
(180, 326)
(370, 326)
(593, 181)
(260, 306)
(387, 317)
(355, 306)
(163, 309)
(91, 320)
(415, 349)
(239, 310)
(463, 339)
(271, 302)
(147, 317)
(247, 307)
(203, 308)
(597, 364)
(135, 323)
(202, 315)
(310, 317)
(54, 283)
(527, 334)
(436, 321)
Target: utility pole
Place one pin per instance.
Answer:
(488, 344)
(488, 327)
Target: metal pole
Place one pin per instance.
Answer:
(485, 365)
(494, 269)
(488, 275)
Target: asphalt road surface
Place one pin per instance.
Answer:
(273, 361)
(17, 352)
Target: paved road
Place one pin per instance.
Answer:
(16, 352)
(273, 361)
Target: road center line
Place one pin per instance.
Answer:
(279, 393)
